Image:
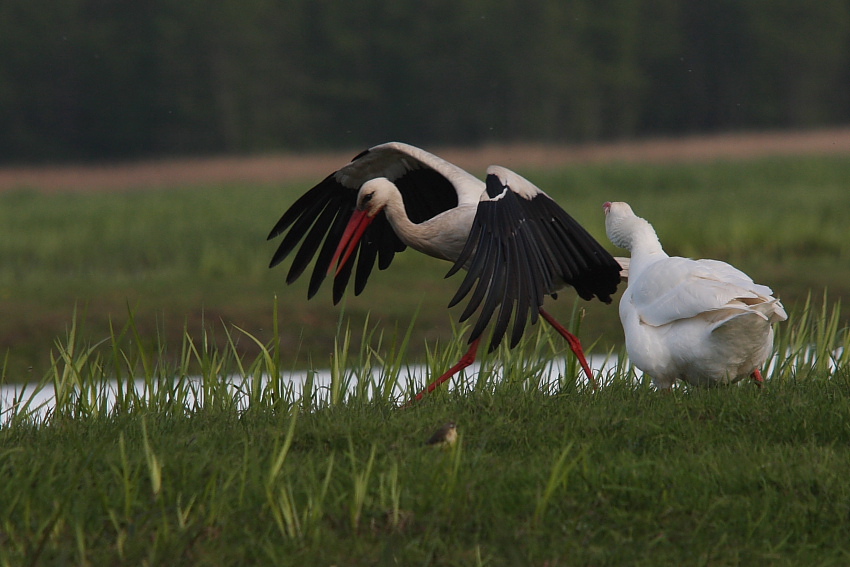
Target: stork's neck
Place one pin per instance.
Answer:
(406, 230)
(442, 236)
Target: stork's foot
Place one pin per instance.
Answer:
(756, 376)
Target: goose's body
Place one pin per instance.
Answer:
(700, 321)
(515, 242)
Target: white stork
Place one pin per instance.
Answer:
(515, 242)
(700, 321)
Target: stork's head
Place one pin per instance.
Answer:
(374, 195)
(371, 199)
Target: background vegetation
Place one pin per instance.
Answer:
(90, 79)
(196, 258)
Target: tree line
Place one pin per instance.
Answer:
(100, 79)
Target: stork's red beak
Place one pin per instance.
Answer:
(358, 224)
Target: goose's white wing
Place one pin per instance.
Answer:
(681, 288)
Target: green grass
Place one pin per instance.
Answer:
(169, 286)
(192, 258)
(545, 472)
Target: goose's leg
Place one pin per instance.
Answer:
(756, 375)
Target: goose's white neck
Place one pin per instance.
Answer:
(643, 239)
(645, 251)
(636, 235)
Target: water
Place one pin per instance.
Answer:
(42, 400)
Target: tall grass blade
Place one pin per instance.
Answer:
(360, 485)
(152, 460)
(558, 477)
(280, 498)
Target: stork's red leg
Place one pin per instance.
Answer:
(574, 343)
(465, 361)
(757, 378)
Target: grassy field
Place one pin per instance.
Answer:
(170, 285)
(545, 472)
(197, 258)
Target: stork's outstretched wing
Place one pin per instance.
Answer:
(522, 247)
(317, 220)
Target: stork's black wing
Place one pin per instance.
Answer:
(522, 247)
(317, 220)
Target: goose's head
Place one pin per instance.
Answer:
(624, 228)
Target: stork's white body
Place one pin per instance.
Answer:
(516, 243)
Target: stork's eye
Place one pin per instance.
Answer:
(366, 198)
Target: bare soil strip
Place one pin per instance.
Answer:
(281, 168)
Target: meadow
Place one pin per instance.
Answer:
(196, 258)
(545, 471)
(172, 287)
